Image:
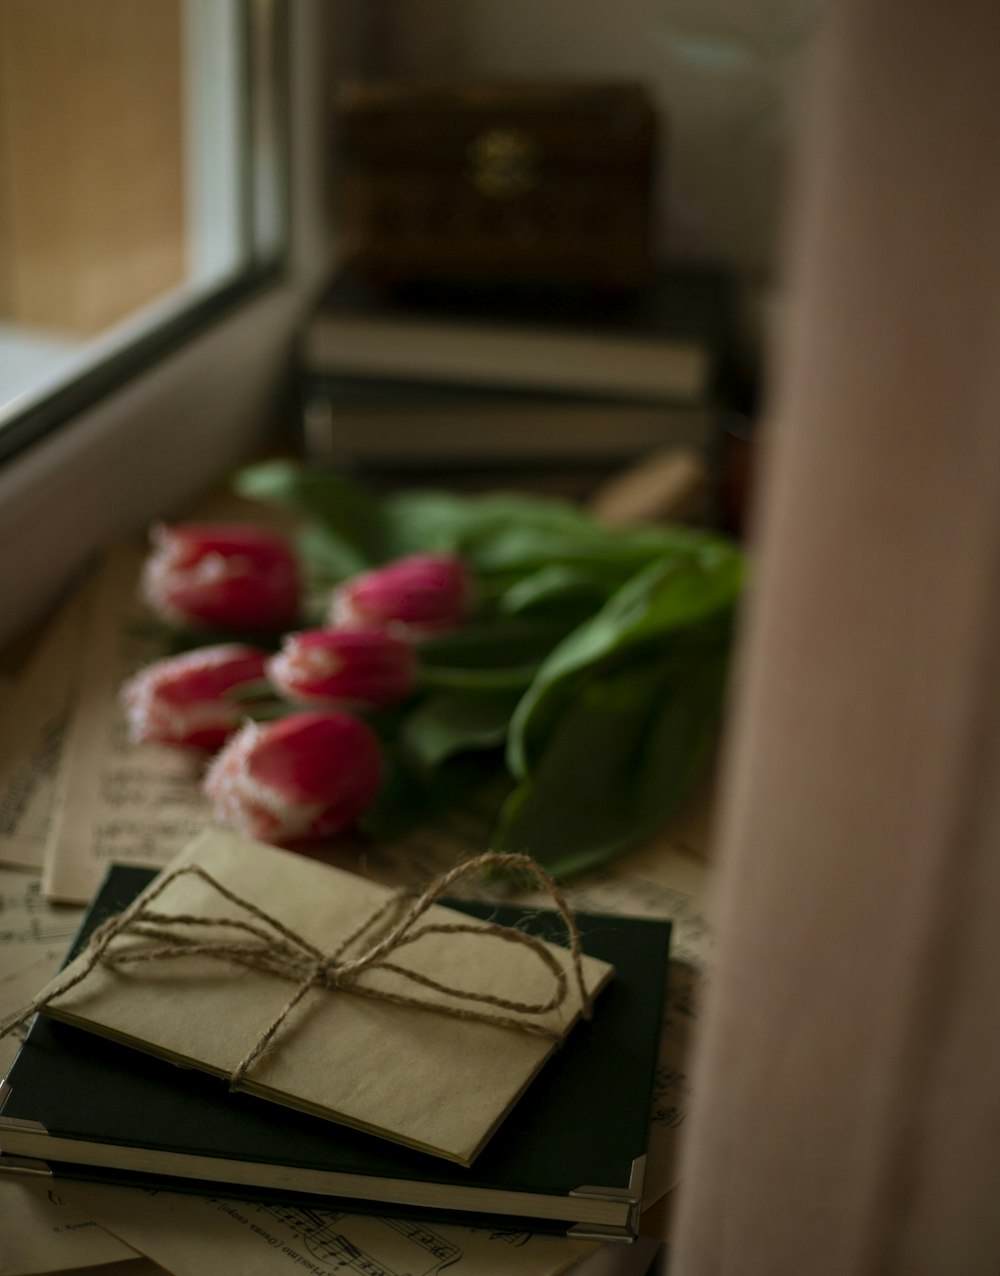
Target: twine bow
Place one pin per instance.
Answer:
(267, 945)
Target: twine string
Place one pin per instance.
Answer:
(267, 945)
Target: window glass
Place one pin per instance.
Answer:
(134, 161)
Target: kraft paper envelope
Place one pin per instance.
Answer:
(419, 1077)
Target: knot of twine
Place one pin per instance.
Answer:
(274, 949)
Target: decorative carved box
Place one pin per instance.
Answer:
(498, 183)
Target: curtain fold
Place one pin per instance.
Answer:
(847, 1086)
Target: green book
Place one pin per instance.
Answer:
(568, 1158)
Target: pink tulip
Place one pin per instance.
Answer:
(416, 596)
(359, 668)
(222, 576)
(185, 700)
(297, 780)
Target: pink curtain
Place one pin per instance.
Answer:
(847, 1115)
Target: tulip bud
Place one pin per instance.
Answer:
(415, 597)
(299, 779)
(186, 699)
(360, 668)
(222, 576)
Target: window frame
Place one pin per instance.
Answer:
(264, 41)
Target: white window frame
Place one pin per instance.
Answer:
(234, 92)
(173, 424)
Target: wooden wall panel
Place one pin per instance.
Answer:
(91, 111)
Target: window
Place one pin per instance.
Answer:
(141, 187)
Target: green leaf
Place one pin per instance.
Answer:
(522, 548)
(410, 795)
(620, 759)
(349, 515)
(451, 722)
(557, 587)
(247, 692)
(501, 642)
(327, 558)
(666, 598)
(447, 523)
(267, 710)
(177, 641)
(503, 537)
(513, 678)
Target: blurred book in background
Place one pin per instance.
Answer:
(480, 377)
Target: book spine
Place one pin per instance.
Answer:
(396, 429)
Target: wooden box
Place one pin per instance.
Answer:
(498, 183)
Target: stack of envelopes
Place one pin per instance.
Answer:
(357, 1101)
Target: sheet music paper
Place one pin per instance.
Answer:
(16, 990)
(117, 802)
(33, 724)
(665, 880)
(31, 927)
(622, 1260)
(134, 1266)
(34, 936)
(672, 1087)
(38, 1231)
(41, 1233)
(213, 1236)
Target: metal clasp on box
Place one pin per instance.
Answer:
(503, 163)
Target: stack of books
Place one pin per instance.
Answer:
(361, 1104)
(439, 378)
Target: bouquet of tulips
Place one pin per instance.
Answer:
(408, 648)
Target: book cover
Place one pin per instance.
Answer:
(445, 1079)
(662, 343)
(569, 1156)
(370, 422)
